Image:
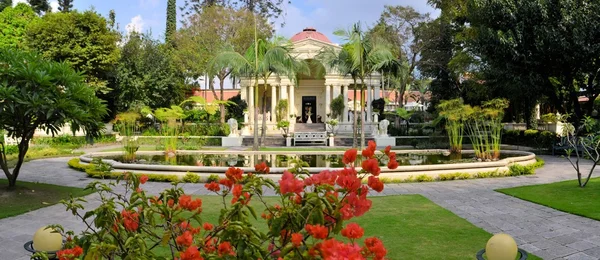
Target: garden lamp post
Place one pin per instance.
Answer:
(45, 240)
(501, 247)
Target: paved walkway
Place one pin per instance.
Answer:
(546, 232)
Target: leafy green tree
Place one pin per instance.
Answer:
(270, 9)
(146, 75)
(81, 39)
(13, 23)
(237, 111)
(206, 34)
(37, 93)
(5, 4)
(65, 6)
(260, 61)
(402, 26)
(171, 20)
(368, 55)
(39, 6)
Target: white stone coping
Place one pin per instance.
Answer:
(500, 165)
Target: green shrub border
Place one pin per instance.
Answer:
(514, 170)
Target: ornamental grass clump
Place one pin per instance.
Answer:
(170, 129)
(452, 111)
(484, 126)
(304, 223)
(126, 123)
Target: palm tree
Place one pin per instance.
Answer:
(422, 86)
(341, 62)
(368, 55)
(260, 61)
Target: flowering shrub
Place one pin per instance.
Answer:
(311, 211)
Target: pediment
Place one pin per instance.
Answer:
(308, 48)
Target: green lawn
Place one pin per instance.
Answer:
(411, 227)
(28, 196)
(40, 152)
(565, 196)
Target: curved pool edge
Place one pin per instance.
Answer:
(400, 173)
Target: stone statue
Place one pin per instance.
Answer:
(383, 127)
(233, 127)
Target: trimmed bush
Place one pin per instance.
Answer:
(191, 177)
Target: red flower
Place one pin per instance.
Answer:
(298, 199)
(185, 239)
(186, 202)
(143, 179)
(237, 192)
(332, 249)
(226, 182)
(225, 248)
(191, 253)
(297, 239)
(209, 245)
(349, 156)
(69, 254)
(353, 231)
(289, 184)
(369, 152)
(324, 177)
(130, 220)
(392, 164)
(375, 183)
(347, 179)
(375, 246)
(387, 150)
(212, 186)
(170, 203)
(317, 231)
(356, 205)
(371, 166)
(234, 174)
(207, 226)
(372, 145)
(262, 167)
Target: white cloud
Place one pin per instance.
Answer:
(136, 24)
(54, 6)
(15, 2)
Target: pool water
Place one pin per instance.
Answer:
(287, 160)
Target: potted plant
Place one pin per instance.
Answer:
(331, 124)
(284, 125)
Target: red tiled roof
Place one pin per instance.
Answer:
(208, 94)
(310, 33)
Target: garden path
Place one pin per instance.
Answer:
(546, 232)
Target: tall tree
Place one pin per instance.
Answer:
(37, 93)
(271, 9)
(211, 31)
(13, 24)
(39, 6)
(402, 27)
(171, 20)
(83, 40)
(147, 75)
(65, 6)
(4, 4)
(260, 61)
(368, 55)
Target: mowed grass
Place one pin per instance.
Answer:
(28, 196)
(565, 196)
(411, 227)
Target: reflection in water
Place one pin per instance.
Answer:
(281, 160)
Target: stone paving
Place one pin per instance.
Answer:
(546, 232)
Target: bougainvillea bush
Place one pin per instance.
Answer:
(311, 214)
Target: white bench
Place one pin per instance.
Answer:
(310, 138)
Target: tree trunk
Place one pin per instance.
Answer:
(263, 134)
(255, 101)
(355, 128)
(362, 110)
(222, 106)
(23, 147)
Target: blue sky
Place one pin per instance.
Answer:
(324, 15)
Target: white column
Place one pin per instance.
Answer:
(376, 94)
(345, 93)
(369, 99)
(291, 104)
(336, 91)
(251, 103)
(273, 103)
(327, 101)
(244, 93)
(283, 94)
